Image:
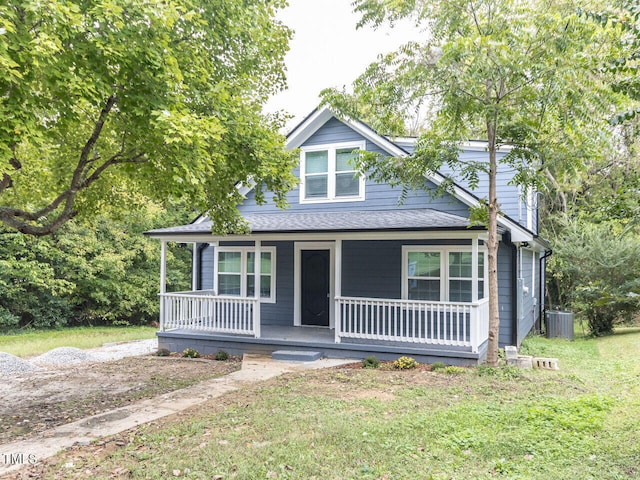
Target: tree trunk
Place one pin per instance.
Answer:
(492, 250)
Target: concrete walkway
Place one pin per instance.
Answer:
(254, 368)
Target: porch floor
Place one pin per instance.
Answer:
(276, 337)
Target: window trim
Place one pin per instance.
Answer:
(331, 150)
(444, 268)
(243, 270)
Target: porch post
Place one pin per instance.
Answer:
(474, 268)
(163, 280)
(256, 287)
(215, 266)
(195, 270)
(337, 318)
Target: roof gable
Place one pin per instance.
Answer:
(320, 116)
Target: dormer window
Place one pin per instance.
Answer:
(327, 173)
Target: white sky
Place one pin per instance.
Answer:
(327, 51)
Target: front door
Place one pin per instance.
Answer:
(314, 301)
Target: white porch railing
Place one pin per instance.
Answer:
(413, 321)
(204, 311)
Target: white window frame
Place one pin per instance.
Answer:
(243, 270)
(331, 149)
(444, 268)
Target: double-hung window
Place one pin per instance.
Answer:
(441, 274)
(461, 277)
(236, 272)
(327, 173)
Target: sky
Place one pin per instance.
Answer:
(327, 51)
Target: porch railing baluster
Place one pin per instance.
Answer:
(200, 310)
(442, 323)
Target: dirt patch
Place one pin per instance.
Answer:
(34, 402)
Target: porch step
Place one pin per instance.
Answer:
(296, 356)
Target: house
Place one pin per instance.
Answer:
(348, 271)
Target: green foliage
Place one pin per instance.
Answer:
(405, 363)
(435, 366)
(105, 273)
(221, 355)
(190, 353)
(102, 103)
(505, 371)
(596, 270)
(30, 342)
(454, 370)
(585, 413)
(370, 362)
(622, 15)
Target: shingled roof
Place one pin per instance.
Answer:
(337, 221)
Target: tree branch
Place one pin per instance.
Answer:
(83, 176)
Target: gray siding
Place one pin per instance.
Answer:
(378, 196)
(281, 312)
(527, 295)
(509, 196)
(505, 293)
(206, 268)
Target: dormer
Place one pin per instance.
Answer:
(328, 174)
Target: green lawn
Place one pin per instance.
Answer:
(577, 423)
(36, 342)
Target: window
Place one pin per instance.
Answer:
(423, 274)
(328, 173)
(441, 274)
(460, 276)
(236, 272)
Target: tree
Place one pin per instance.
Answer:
(104, 101)
(596, 269)
(511, 72)
(99, 271)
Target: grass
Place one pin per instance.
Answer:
(579, 422)
(36, 342)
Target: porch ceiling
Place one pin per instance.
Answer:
(336, 221)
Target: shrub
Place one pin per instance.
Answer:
(405, 363)
(190, 353)
(453, 370)
(506, 372)
(221, 355)
(7, 319)
(370, 362)
(595, 270)
(435, 366)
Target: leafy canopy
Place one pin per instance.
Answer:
(506, 71)
(525, 74)
(104, 99)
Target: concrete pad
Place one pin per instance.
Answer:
(296, 355)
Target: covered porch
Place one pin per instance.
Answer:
(338, 283)
(358, 320)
